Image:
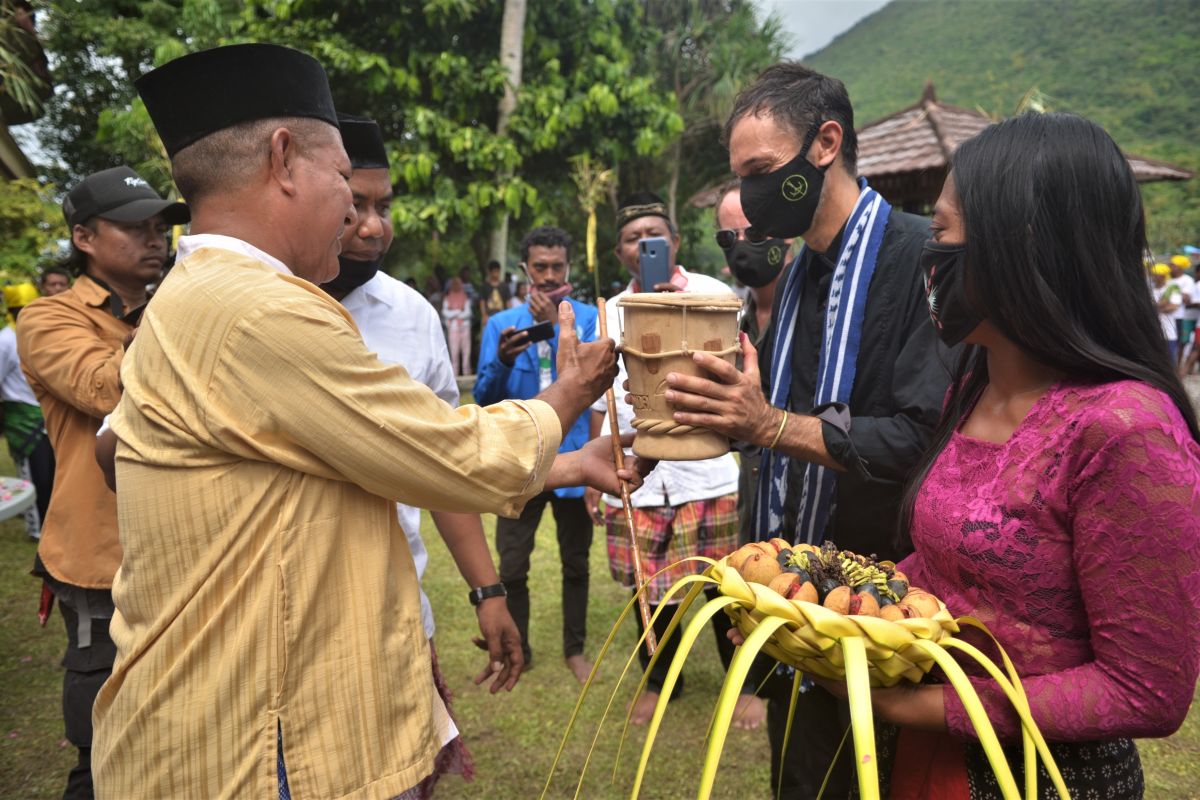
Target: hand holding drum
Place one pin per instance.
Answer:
(660, 335)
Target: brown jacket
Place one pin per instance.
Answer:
(71, 347)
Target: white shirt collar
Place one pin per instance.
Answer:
(377, 289)
(191, 243)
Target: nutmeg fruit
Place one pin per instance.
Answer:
(739, 556)
(760, 568)
(791, 587)
(925, 604)
(864, 604)
(838, 600)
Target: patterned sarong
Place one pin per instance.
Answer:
(667, 534)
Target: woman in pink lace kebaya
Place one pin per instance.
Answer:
(1060, 503)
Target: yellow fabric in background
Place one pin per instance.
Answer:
(265, 575)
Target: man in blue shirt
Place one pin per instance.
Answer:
(513, 367)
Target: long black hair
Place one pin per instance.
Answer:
(1055, 244)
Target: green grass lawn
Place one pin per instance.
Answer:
(513, 736)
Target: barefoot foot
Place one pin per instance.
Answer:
(749, 712)
(643, 708)
(580, 667)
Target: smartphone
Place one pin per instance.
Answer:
(654, 262)
(538, 332)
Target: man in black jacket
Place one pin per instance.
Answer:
(850, 381)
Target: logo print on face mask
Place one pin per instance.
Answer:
(774, 256)
(931, 297)
(794, 188)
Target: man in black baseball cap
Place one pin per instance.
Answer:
(119, 195)
(71, 347)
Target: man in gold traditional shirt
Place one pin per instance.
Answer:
(266, 606)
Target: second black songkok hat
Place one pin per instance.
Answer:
(363, 141)
(205, 92)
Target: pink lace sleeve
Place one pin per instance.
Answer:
(1134, 520)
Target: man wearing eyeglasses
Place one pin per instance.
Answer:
(756, 260)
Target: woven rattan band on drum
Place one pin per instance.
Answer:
(809, 641)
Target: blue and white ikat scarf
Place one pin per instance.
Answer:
(841, 338)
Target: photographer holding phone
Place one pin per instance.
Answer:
(516, 362)
(685, 508)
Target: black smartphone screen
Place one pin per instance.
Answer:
(538, 332)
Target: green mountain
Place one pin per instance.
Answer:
(1131, 65)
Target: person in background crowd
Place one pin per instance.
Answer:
(24, 426)
(468, 284)
(267, 606)
(55, 280)
(1191, 316)
(685, 508)
(840, 443)
(511, 367)
(1167, 298)
(520, 296)
(493, 295)
(1184, 323)
(71, 348)
(411, 283)
(434, 293)
(402, 328)
(456, 315)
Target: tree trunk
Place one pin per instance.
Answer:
(673, 186)
(512, 47)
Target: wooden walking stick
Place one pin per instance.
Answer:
(619, 458)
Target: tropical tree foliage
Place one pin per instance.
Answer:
(600, 78)
(31, 225)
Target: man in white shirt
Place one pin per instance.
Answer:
(1184, 321)
(685, 508)
(1167, 298)
(24, 426)
(403, 328)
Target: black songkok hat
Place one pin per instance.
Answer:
(205, 92)
(363, 141)
(641, 204)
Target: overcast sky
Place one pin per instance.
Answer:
(813, 24)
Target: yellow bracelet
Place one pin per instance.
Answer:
(779, 432)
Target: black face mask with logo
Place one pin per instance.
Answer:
(756, 264)
(352, 274)
(946, 292)
(783, 203)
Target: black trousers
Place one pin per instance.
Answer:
(41, 470)
(87, 668)
(720, 626)
(515, 539)
(818, 726)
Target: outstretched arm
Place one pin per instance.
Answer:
(464, 538)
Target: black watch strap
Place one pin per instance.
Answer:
(481, 593)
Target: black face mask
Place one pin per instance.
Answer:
(352, 275)
(756, 264)
(946, 292)
(783, 203)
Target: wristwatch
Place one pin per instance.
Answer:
(481, 593)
